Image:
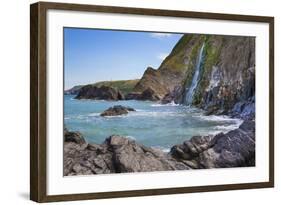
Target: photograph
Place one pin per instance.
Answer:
(146, 101)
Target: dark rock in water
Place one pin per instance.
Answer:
(116, 155)
(233, 149)
(117, 110)
(99, 93)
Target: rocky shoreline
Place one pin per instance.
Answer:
(224, 67)
(118, 154)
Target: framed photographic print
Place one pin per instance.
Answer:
(134, 102)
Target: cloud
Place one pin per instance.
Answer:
(162, 56)
(160, 35)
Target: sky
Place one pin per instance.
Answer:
(93, 55)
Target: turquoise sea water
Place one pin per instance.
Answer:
(155, 125)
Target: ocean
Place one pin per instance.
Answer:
(152, 124)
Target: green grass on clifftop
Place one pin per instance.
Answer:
(125, 86)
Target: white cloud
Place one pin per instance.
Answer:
(160, 35)
(162, 56)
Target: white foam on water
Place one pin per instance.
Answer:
(219, 118)
(154, 114)
(163, 149)
(93, 114)
(130, 137)
(227, 127)
(165, 105)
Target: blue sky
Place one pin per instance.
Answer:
(93, 55)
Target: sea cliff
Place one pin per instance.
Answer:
(225, 81)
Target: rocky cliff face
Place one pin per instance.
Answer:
(173, 70)
(226, 76)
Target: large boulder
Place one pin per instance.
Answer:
(233, 149)
(99, 93)
(116, 154)
(117, 110)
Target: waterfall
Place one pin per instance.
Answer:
(190, 91)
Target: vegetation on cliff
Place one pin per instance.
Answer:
(125, 86)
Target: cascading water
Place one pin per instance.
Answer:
(190, 90)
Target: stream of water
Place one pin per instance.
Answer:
(191, 89)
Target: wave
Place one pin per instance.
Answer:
(94, 114)
(226, 127)
(219, 118)
(155, 114)
(130, 137)
(163, 149)
(165, 105)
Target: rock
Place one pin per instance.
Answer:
(233, 149)
(75, 137)
(133, 96)
(99, 93)
(174, 96)
(117, 110)
(152, 82)
(116, 155)
(244, 109)
(191, 148)
(148, 94)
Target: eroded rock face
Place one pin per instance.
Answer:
(99, 93)
(233, 149)
(117, 110)
(148, 94)
(116, 155)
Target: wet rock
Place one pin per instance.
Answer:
(117, 110)
(99, 93)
